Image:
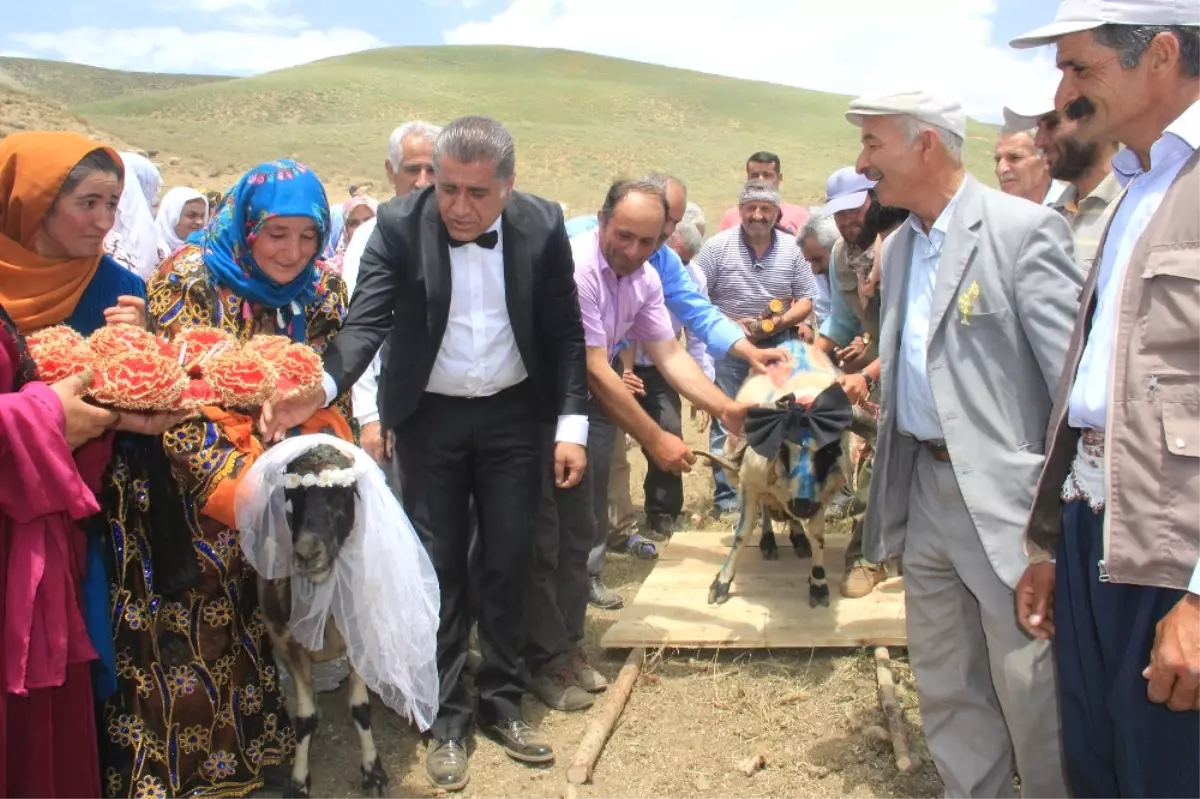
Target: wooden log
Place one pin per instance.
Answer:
(891, 709)
(598, 730)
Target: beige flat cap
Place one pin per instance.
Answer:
(1027, 116)
(944, 114)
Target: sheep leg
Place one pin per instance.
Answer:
(718, 592)
(818, 589)
(299, 665)
(766, 543)
(374, 778)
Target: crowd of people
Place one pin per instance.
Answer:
(1032, 355)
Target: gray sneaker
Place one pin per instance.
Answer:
(557, 688)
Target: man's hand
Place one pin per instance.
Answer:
(1174, 670)
(671, 454)
(734, 417)
(128, 310)
(570, 461)
(850, 352)
(277, 417)
(806, 333)
(634, 383)
(759, 359)
(855, 386)
(1035, 600)
(81, 422)
(371, 439)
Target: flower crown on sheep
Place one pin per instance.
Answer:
(326, 478)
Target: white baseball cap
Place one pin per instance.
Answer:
(845, 190)
(1026, 116)
(1084, 15)
(941, 113)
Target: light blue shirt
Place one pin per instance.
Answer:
(683, 299)
(840, 325)
(1087, 406)
(916, 409)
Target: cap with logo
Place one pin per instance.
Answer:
(846, 190)
(1075, 16)
(932, 110)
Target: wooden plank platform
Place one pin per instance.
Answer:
(768, 607)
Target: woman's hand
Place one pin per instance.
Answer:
(128, 310)
(81, 422)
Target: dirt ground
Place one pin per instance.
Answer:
(692, 719)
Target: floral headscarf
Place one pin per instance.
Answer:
(335, 262)
(283, 188)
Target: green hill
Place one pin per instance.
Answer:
(72, 84)
(579, 120)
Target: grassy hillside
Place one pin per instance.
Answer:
(73, 84)
(579, 120)
(20, 110)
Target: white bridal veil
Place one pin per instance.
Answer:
(383, 592)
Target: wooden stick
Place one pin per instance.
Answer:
(891, 709)
(598, 730)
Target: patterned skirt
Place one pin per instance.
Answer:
(197, 710)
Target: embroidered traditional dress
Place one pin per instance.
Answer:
(198, 710)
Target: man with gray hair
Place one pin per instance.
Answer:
(816, 238)
(485, 384)
(978, 296)
(1113, 536)
(1021, 166)
(409, 166)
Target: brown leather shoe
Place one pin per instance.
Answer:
(446, 764)
(861, 579)
(558, 689)
(519, 740)
(588, 678)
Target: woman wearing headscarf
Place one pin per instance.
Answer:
(133, 241)
(355, 212)
(181, 213)
(337, 220)
(58, 194)
(198, 710)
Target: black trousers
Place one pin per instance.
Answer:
(664, 491)
(1116, 742)
(450, 451)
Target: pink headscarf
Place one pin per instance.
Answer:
(335, 263)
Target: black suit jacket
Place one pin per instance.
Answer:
(404, 287)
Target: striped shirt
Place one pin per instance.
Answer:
(742, 285)
(1088, 218)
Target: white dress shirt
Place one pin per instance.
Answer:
(1087, 406)
(916, 410)
(478, 356)
(365, 394)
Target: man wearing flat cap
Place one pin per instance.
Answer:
(746, 267)
(1085, 166)
(1114, 534)
(978, 296)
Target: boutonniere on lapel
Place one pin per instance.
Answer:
(968, 302)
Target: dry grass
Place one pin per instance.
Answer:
(692, 720)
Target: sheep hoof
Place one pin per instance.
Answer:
(768, 547)
(800, 544)
(718, 592)
(818, 595)
(375, 779)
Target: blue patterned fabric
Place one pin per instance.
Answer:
(283, 188)
(110, 281)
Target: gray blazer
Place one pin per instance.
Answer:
(994, 373)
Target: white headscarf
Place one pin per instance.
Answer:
(169, 211)
(134, 230)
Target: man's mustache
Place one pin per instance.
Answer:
(1079, 108)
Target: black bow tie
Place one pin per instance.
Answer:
(826, 417)
(486, 240)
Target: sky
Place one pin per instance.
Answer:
(956, 48)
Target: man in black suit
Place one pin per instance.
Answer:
(475, 283)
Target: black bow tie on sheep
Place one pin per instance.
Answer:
(826, 417)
